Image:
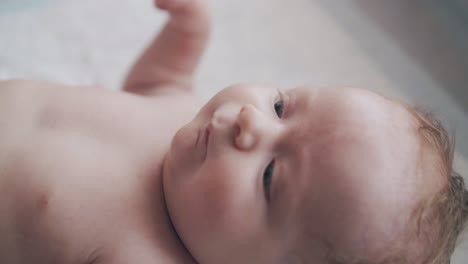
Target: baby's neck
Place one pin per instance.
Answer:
(168, 238)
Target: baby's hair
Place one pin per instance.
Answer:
(442, 219)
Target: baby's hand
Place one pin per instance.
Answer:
(181, 6)
(172, 58)
(191, 16)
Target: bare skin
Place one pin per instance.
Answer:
(81, 168)
(149, 175)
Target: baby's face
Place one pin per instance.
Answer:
(256, 170)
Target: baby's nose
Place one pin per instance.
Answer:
(248, 122)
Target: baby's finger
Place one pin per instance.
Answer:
(181, 6)
(170, 5)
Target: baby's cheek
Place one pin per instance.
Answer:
(215, 196)
(222, 198)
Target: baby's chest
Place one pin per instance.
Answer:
(65, 195)
(73, 171)
(70, 192)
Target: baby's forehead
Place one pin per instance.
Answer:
(361, 174)
(340, 125)
(341, 104)
(353, 118)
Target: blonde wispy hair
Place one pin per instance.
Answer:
(443, 218)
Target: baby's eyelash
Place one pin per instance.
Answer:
(279, 104)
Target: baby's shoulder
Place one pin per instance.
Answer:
(17, 86)
(23, 95)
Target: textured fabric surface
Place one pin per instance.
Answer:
(286, 43)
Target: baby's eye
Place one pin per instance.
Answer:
(267, 176)
(279, 106)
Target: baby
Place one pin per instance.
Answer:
(256, 175)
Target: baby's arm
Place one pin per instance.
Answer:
(171, 59)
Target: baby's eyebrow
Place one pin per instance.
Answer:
(297, 100)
